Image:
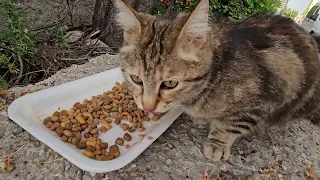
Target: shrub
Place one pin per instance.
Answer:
(233, 9)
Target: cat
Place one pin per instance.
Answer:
(234, 75)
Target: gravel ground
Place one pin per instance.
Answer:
(289, 153)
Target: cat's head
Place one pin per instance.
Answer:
(165, 61)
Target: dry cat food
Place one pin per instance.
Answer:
(82, 124)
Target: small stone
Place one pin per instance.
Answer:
(134, 165)
(285, 165)
(168, 161)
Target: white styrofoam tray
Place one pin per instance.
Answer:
(29, 111)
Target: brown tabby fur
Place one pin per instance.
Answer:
(240, 75)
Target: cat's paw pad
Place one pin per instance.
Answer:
(200, 121)
(216, 153)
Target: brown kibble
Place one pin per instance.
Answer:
(46, 120)
(49, 124)
(146, 118)
(86, 114)
(156, 117)
(91, 148)
(127, 137)
(114, 115)
(68, 126)
(114, 148)
(81, 145)
(90, 110)
(97, 152)
(87, 136)
(77, 135)
(95, 135)
(59, 131)
(94, 131)
(124, 126)
(84, 126)
(99, 158)
(103, 129)
(119, 141)
(76, 128)
(64, 113)
(74, 141)
(107, 158)
(56, 113)
(104, 145)
(64, 138)
(87, 130)
(89, 154)
(73, 121)
(83, 110)
(139, 125)
(91, 142)
(115, 154)
(68, 133)
(141, 129)
(54, 118)
(117, 121)
(131, 129)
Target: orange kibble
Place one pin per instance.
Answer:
(106, 125)
(81, 120)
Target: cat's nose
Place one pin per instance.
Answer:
(149, 107)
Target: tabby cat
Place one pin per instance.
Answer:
(236, 75)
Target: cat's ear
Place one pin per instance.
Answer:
(127, 19)
(194, 32)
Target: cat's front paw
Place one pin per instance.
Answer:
(200, 121)
(215, 152)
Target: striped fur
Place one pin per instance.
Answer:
(257, 72)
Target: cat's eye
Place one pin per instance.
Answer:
(136, 79)
(169, 84)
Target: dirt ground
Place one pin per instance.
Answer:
(292, 152)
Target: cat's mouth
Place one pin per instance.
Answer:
(153, 112)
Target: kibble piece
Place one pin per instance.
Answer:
(104, 145)
(71, 112)
(76, 128)
(84, 126)
(115, 154)
(89, 154)
(103, 129)
(63, 124)
(59, 131)
(94, 131)
(131, 129)
(95, 135)
(114, 148)
(74, 140)
(81, 145)
(77, 135)
(139, 125)
(68, 126)
(127, 137)
(87, 130)
(107, 157)
(99, 158)
(49, 124)
(64, 138)
(68, 133)
(73, 121)
(54, 118)
(91, 142)
(56, 113)
(146, 118)
(87, 136)
(91, 148)
(106, 125)
(119, 141)
(46, 120)
(97, 152)
(124, 126)
(117, 121)
(80, 119)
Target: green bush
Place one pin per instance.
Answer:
(16, 46)
(233, 9)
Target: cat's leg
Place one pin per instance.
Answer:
(200, 121)
(222, 135)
